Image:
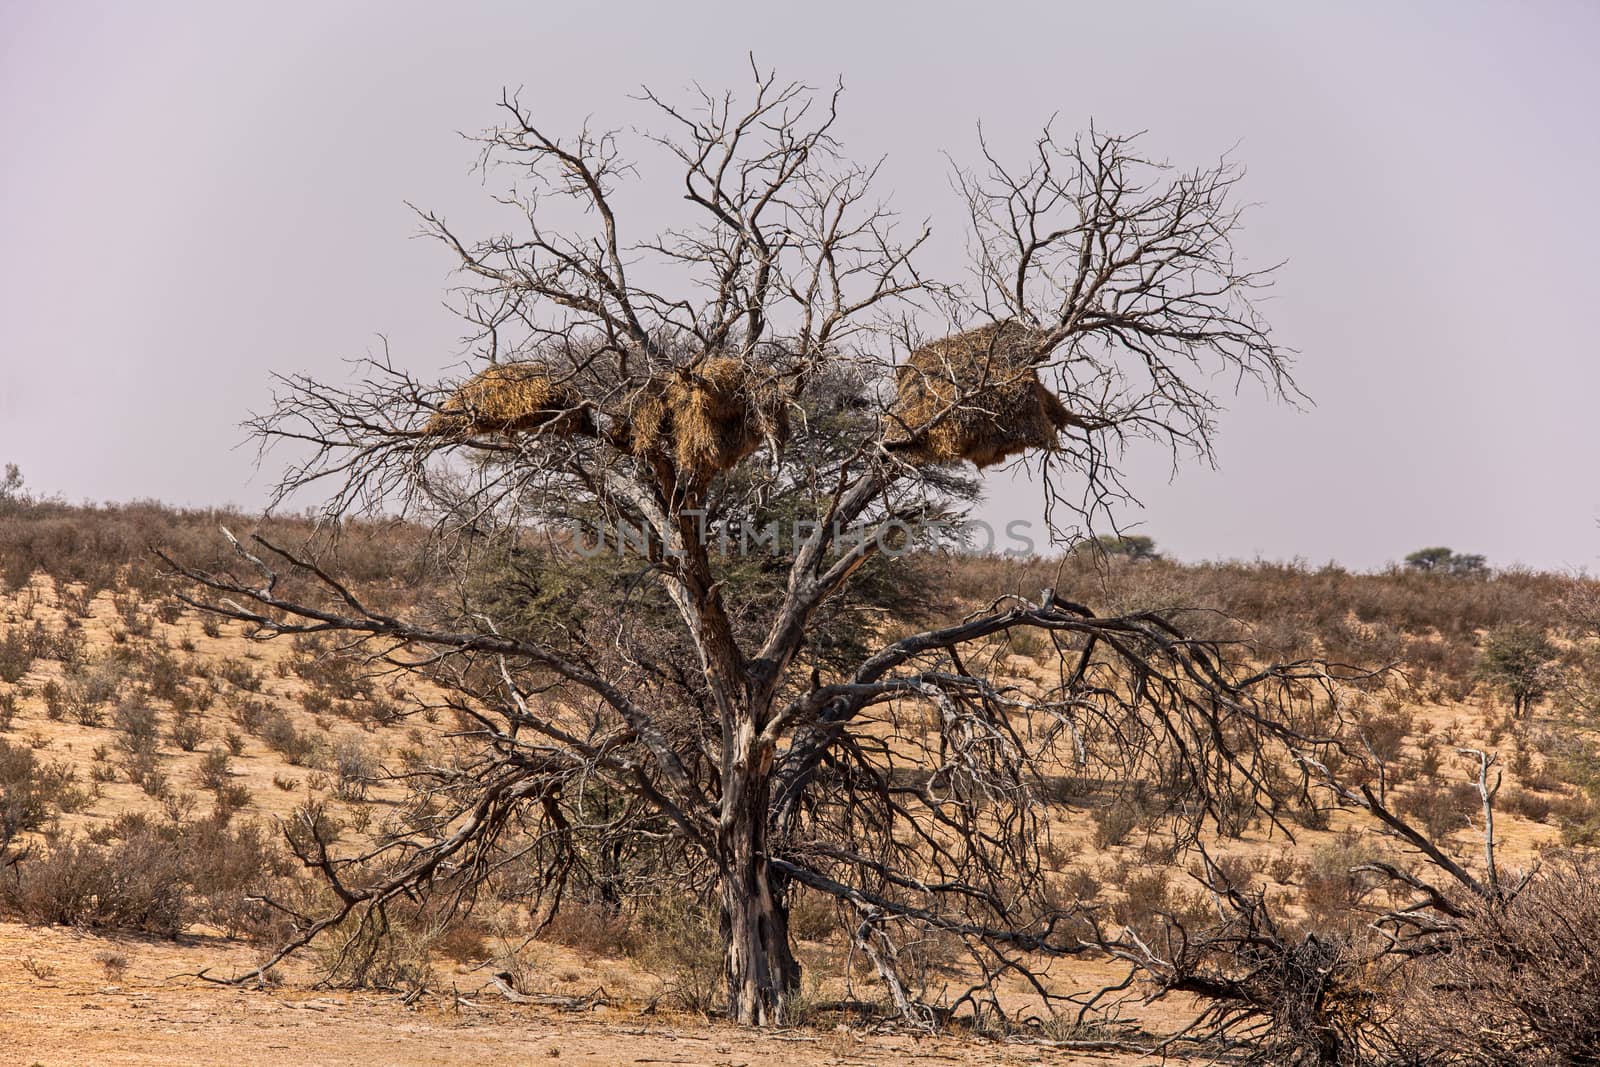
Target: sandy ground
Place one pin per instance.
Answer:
(156, 1015)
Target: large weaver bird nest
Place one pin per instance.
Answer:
(974, 396)
(706, 418)
(509, 398)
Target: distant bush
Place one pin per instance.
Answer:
(1130, 546)
(354, 766)
(163, 673)
(280, 734)
(87, 688)
(1331, 888)
(187, 730)
(213, 772)
(1440, 809)
(1384, 733)
(16, 656)
(594, 930)
(29, 791)
(240, 675)
(1114, 822)
(137, 873)
(1528, 805)
(251, 715)
(140, 725)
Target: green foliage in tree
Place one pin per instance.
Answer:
(1521, 660)
(11, 491)
(1130, 546)
(1441, 560)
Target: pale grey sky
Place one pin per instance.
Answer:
(195, 194)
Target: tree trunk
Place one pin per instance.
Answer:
(761, 967)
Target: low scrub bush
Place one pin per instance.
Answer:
(280, 735)
(354, 767)
(1440, 809)
(133, 884)
(16, 656)
(1520, 984)
(187, 730)
(1114, 822)
(1331, 889)
(240, 675)
(142, 874)
(30, 792)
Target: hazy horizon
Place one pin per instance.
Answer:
(196, 197)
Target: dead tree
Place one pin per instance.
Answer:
(699, 381)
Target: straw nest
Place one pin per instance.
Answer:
(509, 398)
(982, 396)
(707, 418)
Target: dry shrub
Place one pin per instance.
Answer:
(509, 398)
(187, 730)
(1439, 808)
(86, 688)
(240, 675)
(707, 418)
(372, 950)
(813, 917)
(1151, 903)
(1228, 872)
(1113, 823)
(113, 964)
(136, 884)
(1528, 805)
(162, 673)
(281, 735)
(31, 792)
(1080, 884)
(140, 742)
(251, 715)
(1520, 984)
(139, 873)
(974, 396)
(464, 940)
(593, 930)
(16, 656)
(332, 676)
(675, 939)
(1384, 732)
(355, 766)
(229, 868)
(1291, 610)
(1330, 886)
(213, 770)
(683, 947)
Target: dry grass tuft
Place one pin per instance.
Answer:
(974, 396)
(508, 398)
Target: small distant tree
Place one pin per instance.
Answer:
(1520, 660)
(11, 491)
(1441, 560)
(1130, 546)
